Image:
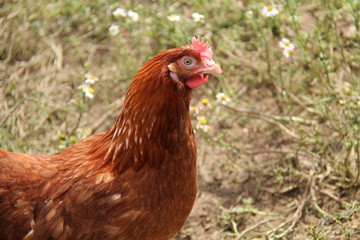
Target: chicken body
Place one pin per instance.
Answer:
(64, 197)
(135, 181)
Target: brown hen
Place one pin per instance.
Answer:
(135, 181)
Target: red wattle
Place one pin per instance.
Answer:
(196, 81)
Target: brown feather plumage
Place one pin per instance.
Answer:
(135, 181)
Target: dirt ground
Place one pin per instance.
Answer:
(287, 207)
(250, 195)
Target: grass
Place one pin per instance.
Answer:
(288, 138)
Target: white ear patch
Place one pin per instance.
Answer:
(174, 76)
(115, 197)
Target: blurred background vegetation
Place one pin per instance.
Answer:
(278, 149)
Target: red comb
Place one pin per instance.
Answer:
(199, 45)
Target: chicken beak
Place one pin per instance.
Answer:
(210, 67)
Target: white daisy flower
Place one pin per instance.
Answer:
(133, 15)
(198, 17)
(201, 120)
(202, 124)
(194, 110)
(90, 79)
(269, 11)
(287, 52)
(205, 103)
(342, 102)
(114, 29)
(222, 98)
(286, 44)
(119, 12)
(206, 128)
(89, 91)
(249, 14)
(173, 18)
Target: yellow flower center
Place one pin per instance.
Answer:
(73, 139)
(205, 101)
(270, 9)
(203, 121)
(91, 90)
(287, 44)
(223, 97)
(193, 109)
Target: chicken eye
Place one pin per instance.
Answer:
(188, 62)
